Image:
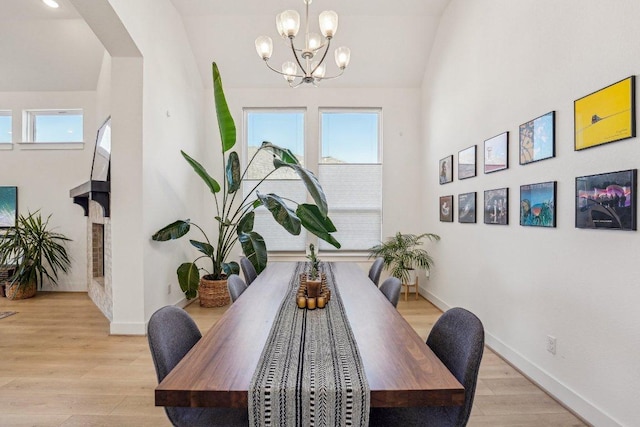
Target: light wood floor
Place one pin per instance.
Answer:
(60, 367)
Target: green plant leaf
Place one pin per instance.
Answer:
(233, 172)
(225, 122)
(283, 153)
(254, 249)
(313, 220)
(202, 173)
(230, 268)
(175, 230)
(188, 278)
(282, 214)
(246, 222)
(310, 182)
(203, 247)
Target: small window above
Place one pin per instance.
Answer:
(53, 126)
(5, 127)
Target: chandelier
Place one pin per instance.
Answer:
(307, 68)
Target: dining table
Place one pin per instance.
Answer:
(401, 370)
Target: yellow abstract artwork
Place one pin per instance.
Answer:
(606, 115)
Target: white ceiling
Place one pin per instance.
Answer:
(53, 49)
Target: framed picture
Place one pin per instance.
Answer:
(446, 169)
(538, 204)
(8, 206)
(100, 169)
(496, 206)
(605, 116)
(537, 139)
(607, 200)
(467, 163)
(446, 209)
(496, 153)
(467, 208)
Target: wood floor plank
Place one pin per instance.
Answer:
(60, 367)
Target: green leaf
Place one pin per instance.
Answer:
(246, 222)
(230, 268)
(172, 231)
(233, 172)
(202, 173)
(283, 153)
(281, 213)
(225, 122)
(189, 278)
(313, 220)
(203, 247)
(310, 182)
(254, 249)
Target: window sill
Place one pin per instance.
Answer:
(51, 145)
(6, 146)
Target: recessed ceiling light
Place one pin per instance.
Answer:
(51, 3)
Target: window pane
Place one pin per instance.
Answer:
(350, 137)
(282, 128)
(57, 127)
(5, 126)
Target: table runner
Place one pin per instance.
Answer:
(310, 372)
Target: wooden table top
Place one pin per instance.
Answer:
(400, 367)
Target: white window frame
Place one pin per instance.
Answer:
(7, 113)
(29, 123)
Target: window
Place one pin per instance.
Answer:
(46, 126)
(5, 127)
(285, 128)
(350, 172)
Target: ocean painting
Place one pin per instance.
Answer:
(8, 206)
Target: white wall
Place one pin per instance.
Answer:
(495, 65)
(44, 177)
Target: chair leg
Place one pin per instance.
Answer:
(416, 287)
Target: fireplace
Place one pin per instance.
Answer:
(97, 252)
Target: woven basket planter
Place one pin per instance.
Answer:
(213, 293)
(15, 291)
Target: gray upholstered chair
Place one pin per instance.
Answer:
(375, 270)
(248, 270)
(236, 286)
(171, 334)
(457, 339)
(391, 289)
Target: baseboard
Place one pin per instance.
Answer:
(137, 328)
(567, 397)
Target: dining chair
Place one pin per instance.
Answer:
(171, 334)
(236, 286)
(391, 289)
(457, 338)
(248, 270)
(375, 270)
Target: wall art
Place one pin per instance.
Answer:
(538, 204)
(467, 208)
(446, 169)
(496, 153)
(496, 206)
(8, 206)
(467, 163)
(607, 200)
(537, 139)
(446, 208)
(607, 115)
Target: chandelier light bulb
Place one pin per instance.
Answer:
(342, 55)
(328, 23)
(289, 69)
(264, 47)
(51, 3)
(314, 42)
(290, 22)
(319, 71)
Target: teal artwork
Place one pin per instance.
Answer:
(8, 206)
(538, 204)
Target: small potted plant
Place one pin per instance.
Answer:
(402, 254)
(314, 281)
(37, 253)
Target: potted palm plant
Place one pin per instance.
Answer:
(37, 253)
(402, 254)
(235, 213)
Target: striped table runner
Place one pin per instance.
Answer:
(310, 372)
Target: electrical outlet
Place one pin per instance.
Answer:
(169, 289)
(551, 344)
